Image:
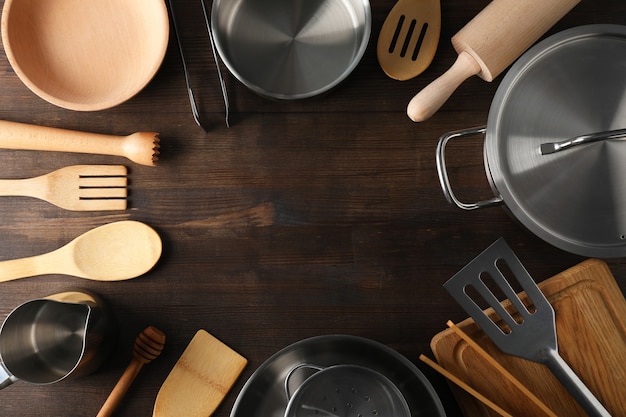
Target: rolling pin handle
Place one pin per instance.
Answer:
(434, 95)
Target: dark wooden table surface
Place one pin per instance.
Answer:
(303, 218)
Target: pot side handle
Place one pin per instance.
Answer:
(443, 173)
(316, 368)
(6, 378)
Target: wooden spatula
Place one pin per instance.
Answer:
(200, 379)
(408, 40)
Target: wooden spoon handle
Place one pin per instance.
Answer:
(31, 266)
(434, 95)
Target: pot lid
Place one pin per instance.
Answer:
(571, 84)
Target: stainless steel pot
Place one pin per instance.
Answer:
(264, 393)
(570, 85)
(291, 49)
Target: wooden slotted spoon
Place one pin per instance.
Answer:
(113, 252)
(76, 187)
(409, 38)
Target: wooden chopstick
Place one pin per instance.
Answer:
(501, 369)
(463, 385)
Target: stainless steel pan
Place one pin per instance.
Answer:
(291, 49)
(264, 393)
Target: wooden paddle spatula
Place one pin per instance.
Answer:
(200, 379)
(408, 40)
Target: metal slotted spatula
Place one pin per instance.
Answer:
(530, 331)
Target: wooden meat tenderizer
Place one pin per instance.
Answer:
(140, 147)
(488, 44)
(148, 346)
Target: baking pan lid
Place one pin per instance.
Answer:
(572, 83)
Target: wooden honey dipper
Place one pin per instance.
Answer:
(148, 346)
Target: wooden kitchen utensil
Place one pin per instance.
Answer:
(488, 44)
(49, 52)
(113, 252)
(591, 327)
(140, 147)
(503, 371)
(408, 39)
(77, 187)
(147, 347)
(480, 397)
(525, 330)
(200, 379)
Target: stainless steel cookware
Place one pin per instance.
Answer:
(291, 49)
(570, 85)
(46, 340)
(343, 391)
(264, 392)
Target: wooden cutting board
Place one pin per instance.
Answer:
(591, 329)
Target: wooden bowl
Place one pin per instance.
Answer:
(85, 55)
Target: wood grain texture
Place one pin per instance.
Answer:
(591, 328)
(200, 379)
(408, 40)
(304, 218)
(489, 44)
(85, 57)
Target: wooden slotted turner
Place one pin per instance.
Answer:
(76, 187)
(409, 37)
(527, 332)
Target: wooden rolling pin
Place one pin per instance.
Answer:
(488, 44)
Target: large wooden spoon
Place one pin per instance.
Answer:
(113, 252)
(409, 37)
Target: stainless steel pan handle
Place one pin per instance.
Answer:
(443, 173)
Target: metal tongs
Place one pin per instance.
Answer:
(552, 147)
(192, 99)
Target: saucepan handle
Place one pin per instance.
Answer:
(294, 369)
(443, 173)
(6, 377)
